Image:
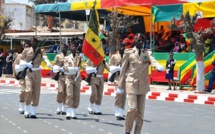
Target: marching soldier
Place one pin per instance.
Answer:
(73, 82)
(115, 67)
(97, 85)
(33, 76)
(60, 77)
(135, 63)
(22, 84)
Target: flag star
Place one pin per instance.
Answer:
(93, 40)
(199, 3)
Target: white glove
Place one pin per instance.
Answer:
(160, 68)
(61, 69)
(22, 64)
(56, 68)
(18, 68)
(120, 91)
(82, 55)
(114, 69)
(167, 71)
(41, 68)
(49, 65)
(29, 64)
(90, 70)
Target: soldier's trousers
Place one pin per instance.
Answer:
(96, 93)
(120, 100)
(61, 96)
(22, 93)
(135, 113)
(73, 94)
(33, 86)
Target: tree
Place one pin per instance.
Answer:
(196, 39)
(118, 21)
(5, 23)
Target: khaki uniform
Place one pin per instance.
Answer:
(33, 79)
(22, 82)
(61, 96)
(96, 83)
(72, 86)
(15, 55)
(115, 60)
(137, 85)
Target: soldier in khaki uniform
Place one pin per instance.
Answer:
(22, 83)
(59, 69)
(97, 85)
(73, 82)
(15, 55)
(33, 77)
(135, 63)
(115, 67)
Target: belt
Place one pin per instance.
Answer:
(99, 75)
(35, 68)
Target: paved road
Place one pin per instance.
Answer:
(160, 117)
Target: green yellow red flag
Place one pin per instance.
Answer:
(92, 47)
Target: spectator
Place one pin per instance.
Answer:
(9, 61)
(105, 46)
(211, 80)
(161, 31)
(52, 49)
(177, 47)
(2, 60)
(147, 45)
(170, 64)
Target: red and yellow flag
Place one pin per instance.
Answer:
(92, 47)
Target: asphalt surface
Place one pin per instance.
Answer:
(161, 117)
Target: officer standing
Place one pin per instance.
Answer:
(135, 63)
(73, 81)
(33, 77)
(59, 69)
(97, 85)
(170, 64)
(115, 67)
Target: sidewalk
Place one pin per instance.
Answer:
(158, 92)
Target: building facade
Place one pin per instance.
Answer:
(23, 16)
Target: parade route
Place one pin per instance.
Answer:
(158, 92)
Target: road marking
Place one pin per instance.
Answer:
(49, 123)
(92, 126)
(110, 133)
(24, 131)
(101, 129)
(19, 127)
(63, 129)
(56, 126)
(14, 124)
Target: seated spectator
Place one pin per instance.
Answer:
(105, 46)
(127, 43)
(147, 45)
(177, 47)
(52, 48)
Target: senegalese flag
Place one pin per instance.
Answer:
(186, 38)
(92, 47)
(155, 11)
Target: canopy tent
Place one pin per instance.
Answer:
(76, 10)
(166, 12)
